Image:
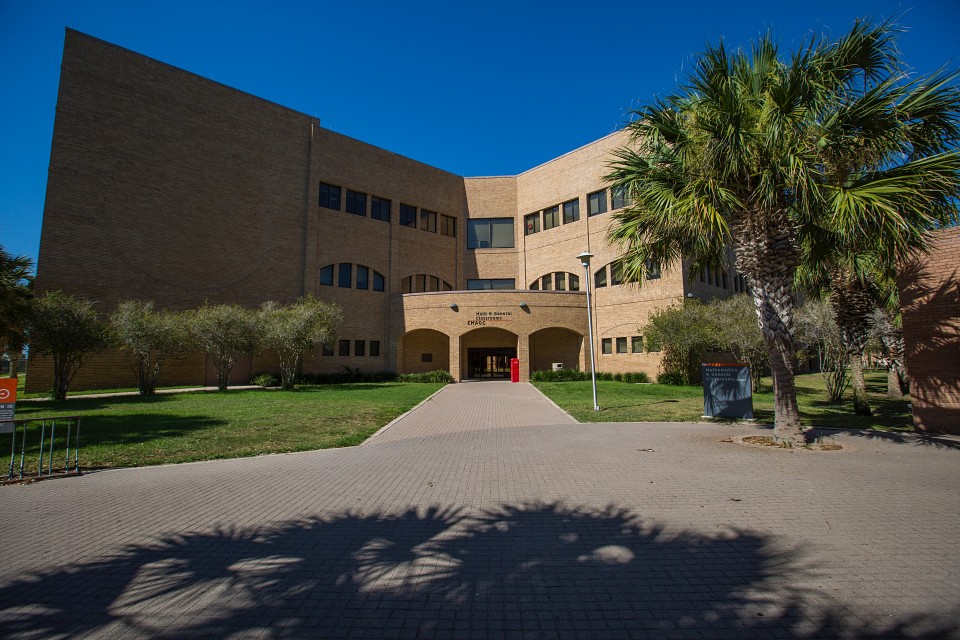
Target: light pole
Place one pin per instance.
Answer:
(585, 260)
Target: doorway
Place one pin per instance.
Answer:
(490, 362)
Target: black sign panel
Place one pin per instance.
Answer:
(726, 391)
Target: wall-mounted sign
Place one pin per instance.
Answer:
(485, 318)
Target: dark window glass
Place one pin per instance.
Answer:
(653, 271)
(363, 277)
(379, 209)
(531, 223)
(327, 351)
(600, 278)
(547, 281)
(408, 215)
(492, 283)
(406, 285)
(428, 221)
(571, 211)
(636, 344)
(574, 282)
(619, 197)
(329, 196)
(535, 285)
(420, 283)
(606, 346)
(446, 286)
(378, 284)
(356, 203)
(359, 348)
(560, 281)
(374, 348)
(344, 348)
(621, 345)
(326, 275)
(551, 217)
(616, 273)
(345, 275)
(448, 226)
(426, 357)
(596, 203)
(434, 283)
(495, 233)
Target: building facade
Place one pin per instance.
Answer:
(169, 187)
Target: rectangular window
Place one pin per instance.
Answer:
(378, 281)
(326, 350)
(408, 215)
(551, 217)
(606, 346)
(492, 233)
(374, 348)
(619, 197)
(426, 357)
(326, 275)
(359, 348)
(653, 271)
(547, 281)
(571, 211)
(597, 203)
(363, 277)
(494, 283)
(428, 221)
(616, 273)
(344, 348)
(329, 196)
(345, 273)
(636, 344)
(448, 226)
(379, 208)
(560, 281)
(600, 278)
(356, 203)
(621, 345)
(531, 224)
(574, 282)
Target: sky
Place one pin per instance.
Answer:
(475, 88)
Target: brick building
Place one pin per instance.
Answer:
(169, 187)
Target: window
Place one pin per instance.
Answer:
(606, 346)
(596, 203)
(359, 348)
(345, 274)
(434, 283)
(363, 277)
(535, 285)
(560, 281)
(653, 270)
(619, 197)
(344, 348)
(356, 203)
(408, 215)
(492, 233)
(448, 226)
(621, 345)
(426, 357)
(378, 281)
(636, 344)
(329, 196)
(571, 211)
(653, 345)
(326, 275)
(494, 283)
(616, 273)
(574, 282)
(326, 350)
(428, 221)
(600, 278)
(547, 282)
(446, 286)
(374, 348)
(531, 224)
(551, 217)
(379, 209)
(420, 282)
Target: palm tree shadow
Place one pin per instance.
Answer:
(527, 569)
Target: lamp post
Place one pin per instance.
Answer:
(585, 261)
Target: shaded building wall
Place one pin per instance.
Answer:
(930, 304)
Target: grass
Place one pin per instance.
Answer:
(623, 402)
(136, 431)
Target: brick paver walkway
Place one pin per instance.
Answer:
(489, 513)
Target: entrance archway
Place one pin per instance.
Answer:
(486, 353)
(555, 345)
(424, 350)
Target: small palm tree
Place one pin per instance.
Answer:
(754, 152)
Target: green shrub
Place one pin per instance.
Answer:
(674, 378)
(561, 375)
(348, 376)
(265, 380)
(440, 375)
(635, 377)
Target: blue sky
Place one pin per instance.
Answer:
(476, 88)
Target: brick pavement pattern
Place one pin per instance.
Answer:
(489, 513)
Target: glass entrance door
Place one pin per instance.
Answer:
(490, 362)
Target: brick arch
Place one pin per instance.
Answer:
(416, 346)
(555, 344)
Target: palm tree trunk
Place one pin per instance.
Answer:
(894, 390)
(861, 404)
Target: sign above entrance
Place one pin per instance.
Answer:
(484, 318)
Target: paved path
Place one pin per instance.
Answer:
(489, 513)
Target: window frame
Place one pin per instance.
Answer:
(356, 203)
(428, 220)
(448, 226)
(551, 217)
(597, 203)
(531, 220)
(343, 348)
(473, 235)
(377, 205)
(340, 272)
(408, 216)
(606, 346)
(323, 272)
(326, 196)
(571, 211)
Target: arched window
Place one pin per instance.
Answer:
(556, 281)
(349, 276)
(421, 282)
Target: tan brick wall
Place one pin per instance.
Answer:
(930, 303)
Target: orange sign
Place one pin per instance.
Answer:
(8, 398)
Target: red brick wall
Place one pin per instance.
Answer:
(930, 299)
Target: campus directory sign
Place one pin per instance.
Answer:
(726, 391)
(8, 403)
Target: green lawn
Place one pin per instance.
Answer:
(623, 402)
(135, 431)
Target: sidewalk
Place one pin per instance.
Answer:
(488, 513)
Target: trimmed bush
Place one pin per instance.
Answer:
(439, 375)
(674, 378)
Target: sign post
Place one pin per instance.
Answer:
(726, 391)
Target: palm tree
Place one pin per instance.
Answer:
(16, 290)
(747, 154)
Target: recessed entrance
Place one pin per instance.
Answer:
(490, 362)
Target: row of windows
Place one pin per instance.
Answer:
(492, 283)
(345, 279)
(380, 209)
(596, 204)
(612, 274)
(359, 348)
(557, 281)
(635, 345)
(490, 233)
(423, 282)
(718, 278)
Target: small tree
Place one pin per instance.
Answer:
(737, 329)
(292, 329)
(817, 327)
(68, 330)
(225, 333)
(150, 337)
(683, 331)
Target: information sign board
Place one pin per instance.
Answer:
(726, 391)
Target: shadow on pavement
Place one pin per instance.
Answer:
(530, 570)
